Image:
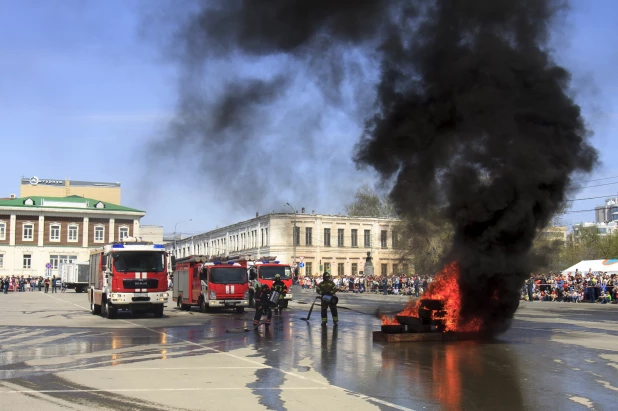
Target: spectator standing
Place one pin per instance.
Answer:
(530, 287)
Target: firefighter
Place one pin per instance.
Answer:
(327, 289)
(254, 287)
(280, 287)
(262, 306)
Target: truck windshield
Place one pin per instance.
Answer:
(268, 272)
(228, 275)
(131, 261)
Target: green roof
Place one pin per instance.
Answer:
(64, 202)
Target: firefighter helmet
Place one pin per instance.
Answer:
(326, 276)
(277, 277)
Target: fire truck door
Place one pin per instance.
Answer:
(196, 289)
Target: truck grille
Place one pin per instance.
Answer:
(140, 299)
(135, 283)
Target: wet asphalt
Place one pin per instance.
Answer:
(55, 355)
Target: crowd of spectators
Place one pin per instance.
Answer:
(574, 287)
(29, 284)
(388, 285)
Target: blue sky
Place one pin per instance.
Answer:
(82, 92)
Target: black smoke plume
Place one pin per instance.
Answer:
(473, 121)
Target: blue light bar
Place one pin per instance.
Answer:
(231, 262)
(117, 246)
(265, 262)
(217, 263)
(276, 262)
(159, 246)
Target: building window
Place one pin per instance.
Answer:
(53, 260)
(340, 269)
(296, 235)
(367, 238)
(54, 232)
(383, 238)
(27, 261)
(73, 233)
(395, 237)
(340, 241)
(383, 268)
(308, 269)
(327, 268)
(123, 233)
(327, 237)
(99, 234)
(28, 232)
(354, 237)
(406, 268)
(2, 231)
(1, 260)
(308, 236)
(354, 268)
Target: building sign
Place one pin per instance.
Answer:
(34, 180)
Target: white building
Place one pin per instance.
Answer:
(602, 228)
(608, 212)
(321, 242)
(38, 232)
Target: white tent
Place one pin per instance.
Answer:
(609, 266)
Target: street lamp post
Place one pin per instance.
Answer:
(175, 226)
(293, 235)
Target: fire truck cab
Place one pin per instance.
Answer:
(209, 283)
(128, 275)
(265, 270)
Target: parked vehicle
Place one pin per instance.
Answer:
(266, 269)
(129, 275)
(74, 275)
(209, 283)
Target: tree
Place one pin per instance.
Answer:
(368, 203)
(588, 244)
(425, 243)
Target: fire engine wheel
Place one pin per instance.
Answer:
(94, 309)
(158, 311)
(284, 304)
(240, 309)
(108, 311)
(203, 306)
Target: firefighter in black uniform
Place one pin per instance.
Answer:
(327, 290)
(262, 306)
(280, 287)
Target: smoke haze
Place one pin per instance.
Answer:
(473, 116)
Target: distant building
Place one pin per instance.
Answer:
(601, 228)
(35, 186)
(37, 232)
(152, 233)
(608, 212)
(334, 243)
(556, 233)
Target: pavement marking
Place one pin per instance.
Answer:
(350, 392)
(38, 369)
(171, 389)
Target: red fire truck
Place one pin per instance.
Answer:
(266, 268)
(129, 275)
(209, 283)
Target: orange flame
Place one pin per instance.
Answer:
(389, 320)
(445, 287)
